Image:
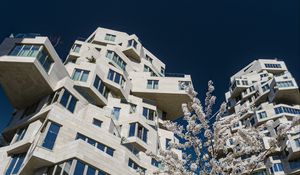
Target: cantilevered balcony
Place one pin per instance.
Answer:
(284, 91)
(238, 86)
(294, 149)
(133, 49)
(29, 69)
(88, 81)
(166, 91)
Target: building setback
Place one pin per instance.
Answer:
(96, 113)
(262, 91)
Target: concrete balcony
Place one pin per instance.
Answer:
(29, 69)
(136, 142)
(238, 86)
(165, 91)
(285, 91)
(88, 81)
(294, 150)
(133, 48)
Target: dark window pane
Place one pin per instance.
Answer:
(65, 98)
(51, 136)
(132, 129)
(92, 142)
(91, 171)
(79, 169)
(101, 146)
(110, 151)
(80, 136)
(11, 166)
(72, 104)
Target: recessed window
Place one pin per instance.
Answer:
(148, 69)
(152, 84)
(20, 134)
(76, 48)
(15, 164)
(80, 75)
(162, 70)
(148, 113)
(99, 85)
(285, 84)
(262, 115)
(110, 37)
(116, 77)
(148, 58)
(97, 122)
(272, 65)
(108, 150)
(68, 101)
(132, 43)
(117, 59)
(116, 112)
(137, 130)
(51, 135)
(135, 166)
(37, 51)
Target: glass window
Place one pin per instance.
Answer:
(262, 115)
(51, 136)
(132, 129)
(97, 122)
(76, 48)
(116, 77)
(59, 169)
(79, 169)
(91, 171)
(45, 60)
(15, 164)
(110, 151)
(116, 112)
(67, 167)
(20, 134)
(80, 136)
(68, 101)
(110, 37)
(132, 43)
(91, 142)
(99, 85)
(149, 58)
(101, 146)
(152, 84)
(80, 75)
(148, 113)
(116, 59)
(277, 167)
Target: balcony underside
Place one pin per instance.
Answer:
(23, 83)
(137, 143)
(91, 96)
(287, 96)
(167, 102)
(132, 53)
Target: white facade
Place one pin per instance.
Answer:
(97, 113)
(262, 91)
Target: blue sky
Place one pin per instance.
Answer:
(207, 39)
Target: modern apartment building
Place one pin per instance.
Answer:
(95, 114)
(265, 90)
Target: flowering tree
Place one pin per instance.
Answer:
(208, 152)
